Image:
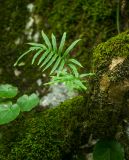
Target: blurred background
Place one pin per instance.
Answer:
(21, 21)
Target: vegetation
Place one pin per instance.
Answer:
(64, 68)
(92, 21)
(49, 135)
(108, 150)
(59, 133)
(115, 46)
(106, 54)
(8, 110)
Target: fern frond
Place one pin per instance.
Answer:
(54, 42)
(52, 55)
(50, 62)
(86, 75)
(75, 62)
(74, 70)
(43, 56)
(70, 47)
(46, 39)
(38, 45)
(34, 48)
(48, 58)
(64, 67)
(62, 44)
(70, 81)
(56, 65)
(36, 55)
(22, 56)
(80, 85)
(61, 67)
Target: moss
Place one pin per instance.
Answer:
(117, 46)
(46, 135)
(111, 89)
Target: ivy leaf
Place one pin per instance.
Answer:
(8, 91)
(8, 112)
(108, 150)
(26, 103)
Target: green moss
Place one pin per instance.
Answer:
(46, 135)
(117, 46)
(111, 104)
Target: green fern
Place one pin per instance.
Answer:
(72, 82)
(69, 80)
(64, 69)
(51, 55)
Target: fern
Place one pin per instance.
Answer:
(69, 80)
(49, 54)
(64, 69)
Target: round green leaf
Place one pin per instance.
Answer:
(108, 150)
(8, 112)
(8, 91)
(27, 103)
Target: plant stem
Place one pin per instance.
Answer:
(118, 16)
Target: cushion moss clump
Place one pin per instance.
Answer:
(117, 46)
(48, 135)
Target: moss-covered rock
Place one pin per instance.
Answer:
(47, 135)
(111, 89)
(117, 46)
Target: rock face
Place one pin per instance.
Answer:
(58, 132)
